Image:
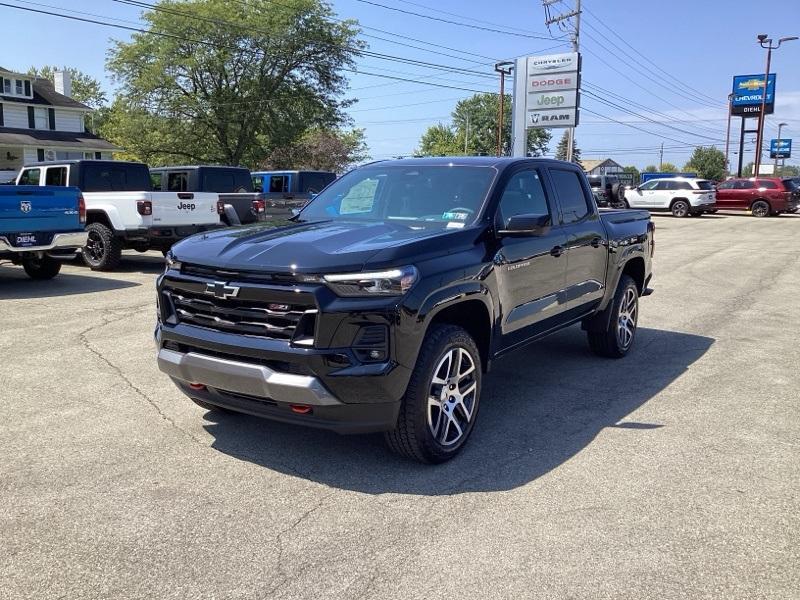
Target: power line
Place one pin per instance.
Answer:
(451, 22)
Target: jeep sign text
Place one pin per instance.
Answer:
(565, 99)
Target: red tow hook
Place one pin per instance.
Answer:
(197, 386)
(300, 409)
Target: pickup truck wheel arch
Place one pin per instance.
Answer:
(474, 317)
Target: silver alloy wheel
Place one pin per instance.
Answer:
(451, 397)
(680, 209)
(626, 319)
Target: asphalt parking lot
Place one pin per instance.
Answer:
(670, 474)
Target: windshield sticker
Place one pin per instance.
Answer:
(455, 216)
(454, 225)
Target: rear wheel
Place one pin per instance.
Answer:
(41, 268)
(680, 208)
(760, 208)
(103, 251)
(616, 337)
(440, 406)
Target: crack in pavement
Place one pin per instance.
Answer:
(84, 340)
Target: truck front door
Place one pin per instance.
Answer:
(586, 253)
(529, 269)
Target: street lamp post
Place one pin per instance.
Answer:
(762, 40)
(504, 68)
(778, 149)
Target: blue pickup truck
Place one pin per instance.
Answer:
(39, 225)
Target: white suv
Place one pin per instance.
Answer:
(683, 196)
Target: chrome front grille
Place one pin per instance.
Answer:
(255, 312)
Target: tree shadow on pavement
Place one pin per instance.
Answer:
(540, 407)
(15, 285)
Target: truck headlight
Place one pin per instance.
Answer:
(171, 263)
(393, 282)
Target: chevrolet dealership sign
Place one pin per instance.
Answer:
(748, 94)
(552, 90)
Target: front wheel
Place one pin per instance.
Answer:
(41, 268)
(680, 208)
(440, 406)
(616, 338)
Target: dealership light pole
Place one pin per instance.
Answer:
(762, 40)
(728, 134)
(504, 68)
(778, 147)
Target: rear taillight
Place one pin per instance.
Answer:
(81, 210)
(259, 206)
(220, 207)
(144, 207)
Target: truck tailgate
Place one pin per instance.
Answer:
(183, 208)
(31, 209)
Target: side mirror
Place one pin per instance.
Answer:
(526, 225)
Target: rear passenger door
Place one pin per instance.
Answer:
(586, 252)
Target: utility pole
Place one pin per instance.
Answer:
(661, 157)
(504, 68)
(466, 136)
(728, 134)
(575, 48)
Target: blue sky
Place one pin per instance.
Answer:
(702, 44)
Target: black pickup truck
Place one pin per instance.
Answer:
(383, 304)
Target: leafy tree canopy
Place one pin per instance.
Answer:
(321, 150)
(225, 81)
(708, 163)
(474, 130)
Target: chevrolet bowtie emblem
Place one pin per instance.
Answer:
(220, 289)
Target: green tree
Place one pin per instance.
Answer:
(789, 171)
(321, 150)
(229, 81)
(651, 169)
(631, 169)
(708, 163)
(440, 140)
(563, 144)
(474, 127)
(668, 167)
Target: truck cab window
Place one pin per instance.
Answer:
(56, 176)
(258, 184)
(572, 198)
(278, 184)
(155, 180)
(177, 182)
(523, 194)
(30, 177)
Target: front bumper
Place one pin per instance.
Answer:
(61, 241)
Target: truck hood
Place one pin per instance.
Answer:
(327, 246)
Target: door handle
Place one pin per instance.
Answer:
(596, 242)
(557, 251)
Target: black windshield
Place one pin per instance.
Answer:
(430, 196)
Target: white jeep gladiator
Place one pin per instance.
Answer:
(122, 211)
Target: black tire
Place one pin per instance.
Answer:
(41, 268)
(103, 250)
(414, 436)
(609, 342)
(760, 208)
(209, 406)
(617, 193)
(680, 208)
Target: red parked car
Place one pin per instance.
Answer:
(762, 197)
